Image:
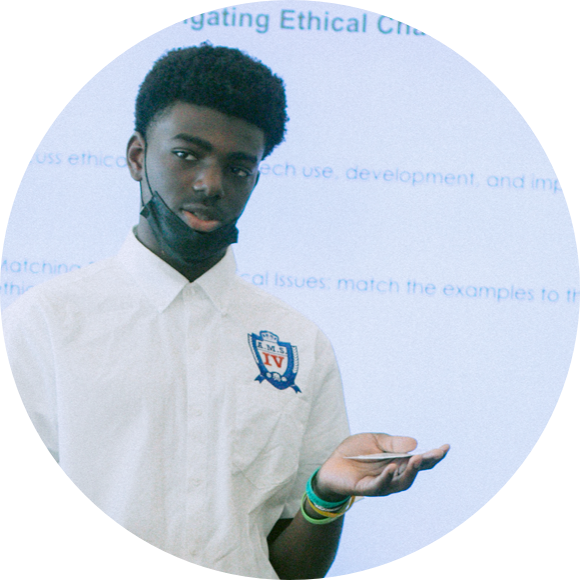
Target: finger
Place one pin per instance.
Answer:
(400, 465)
(406, 475)
(431, 458)
(429, 462)
(396, 476)
(374, 486)
(436, 453)
(380, 484)
(415, 462)
(401, 469)
(407, 468)
(445, 448)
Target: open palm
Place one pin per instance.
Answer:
(341, 476)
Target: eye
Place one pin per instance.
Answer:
(185, 155)
(242, 172)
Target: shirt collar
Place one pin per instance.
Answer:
(162, 283)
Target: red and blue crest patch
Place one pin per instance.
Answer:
(277, 361)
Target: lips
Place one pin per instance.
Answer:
(200, 220)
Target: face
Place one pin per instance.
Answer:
(204, 164)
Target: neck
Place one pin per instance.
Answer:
(190, 271)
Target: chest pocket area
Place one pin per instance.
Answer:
(269, 427)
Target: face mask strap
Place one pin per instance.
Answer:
(145, 207)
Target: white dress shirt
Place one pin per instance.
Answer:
(148, 391)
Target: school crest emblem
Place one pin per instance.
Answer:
(277, 361)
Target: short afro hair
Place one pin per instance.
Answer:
(220, 78)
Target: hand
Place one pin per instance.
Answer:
(340, 477)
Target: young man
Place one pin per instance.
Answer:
(188, 405)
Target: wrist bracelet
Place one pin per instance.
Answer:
(317, 522)
(333, 514)
(320, 508)
(320, 503)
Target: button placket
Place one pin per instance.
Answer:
(197, 384)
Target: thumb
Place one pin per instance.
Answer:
(396, 444)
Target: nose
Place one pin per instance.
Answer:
(208, 180)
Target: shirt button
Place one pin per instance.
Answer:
(196, 412)
(196, 482)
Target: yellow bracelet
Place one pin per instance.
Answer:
(337, 514)
(311, 520)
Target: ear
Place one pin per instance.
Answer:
(136, 156)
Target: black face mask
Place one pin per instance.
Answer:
(181, 244)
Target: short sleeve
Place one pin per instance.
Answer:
(327, 422)
(29, 346)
